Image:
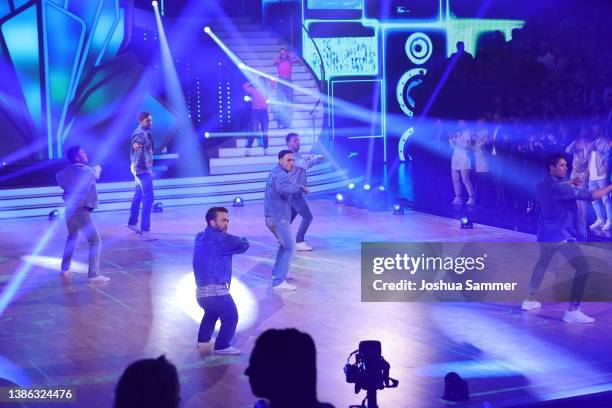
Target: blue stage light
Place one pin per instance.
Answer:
(207, 30)
(54, 215)
(367, 187)
(351, 186)
(207, 135)
(398, 209)
(154, 3)
(339, 198)
(238, 202)
(466, 222)
(381, 188)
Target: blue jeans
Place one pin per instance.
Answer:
(285, 110)
(259, 118)
(282, 231)
(215, 308)
(80, 220)
(143, 193)
(300, 206)
(604, 204)
(572, 252)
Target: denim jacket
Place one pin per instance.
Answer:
(277, 201)
(559, 218)
(79, 184)
(212, 256)
(301, 165)
(142, 158)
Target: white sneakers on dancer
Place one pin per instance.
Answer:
(99, 279)
(576, 316)
(302, 246)
(284, 286)
(206, 346)
(570, 316)
(530, 305)
(66, 274)
(471, 201)
(608, 225)
(598, 224)
(457, 201)
(228, 351)
(133, 228)
(147, 236)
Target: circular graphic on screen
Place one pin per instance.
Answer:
(419, 48)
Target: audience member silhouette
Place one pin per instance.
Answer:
(148, 383)
(283, 369)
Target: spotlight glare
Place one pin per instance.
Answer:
(154, 3)
(466, 223)
(351, 186)
(398, 209)
(247, 98)
(339, 198)
(241, 65)
(207, 31)
(54, 215)
(381, 188)
(238, 202)
(367, 187)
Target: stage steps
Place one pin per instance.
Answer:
(220, 189)
(257, 46)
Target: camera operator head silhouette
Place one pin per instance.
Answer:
(282, 369)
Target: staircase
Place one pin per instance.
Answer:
(257, 47)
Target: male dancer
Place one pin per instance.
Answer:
(78, 181)
(284, 66)
(559, 229)
(141, 155)
(259, 91)
(298, 176)
(212, 267)
(277, 209)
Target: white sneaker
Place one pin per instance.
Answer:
(284, 286)
(597, 224)
(229, 351)
(471, 201)
(133, 228)
(206, 346)
(66, 274)
(99, 279)
(247, 152)
(608, 225)
(147, 236)
(576, 316)
(457, 201)
(302, 246)
(530, 305)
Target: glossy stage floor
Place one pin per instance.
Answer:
(60, 332)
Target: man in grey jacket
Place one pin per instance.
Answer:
(141, 156)
(277, 209)
(78, 181)
(298, 176)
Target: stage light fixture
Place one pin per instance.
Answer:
(339, 198)
(247, 98)
(367, 187)
(207, 135)
(382, 188)
(154, 3)
(158, 207)
(54, 215)
(398, 209)
(466, 222)
(207, 30)
(238, 202)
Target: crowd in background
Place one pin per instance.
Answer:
(548, 90)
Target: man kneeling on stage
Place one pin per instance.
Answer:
(212, 267)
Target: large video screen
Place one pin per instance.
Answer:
(334, 4)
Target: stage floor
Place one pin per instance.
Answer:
(70, 333)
